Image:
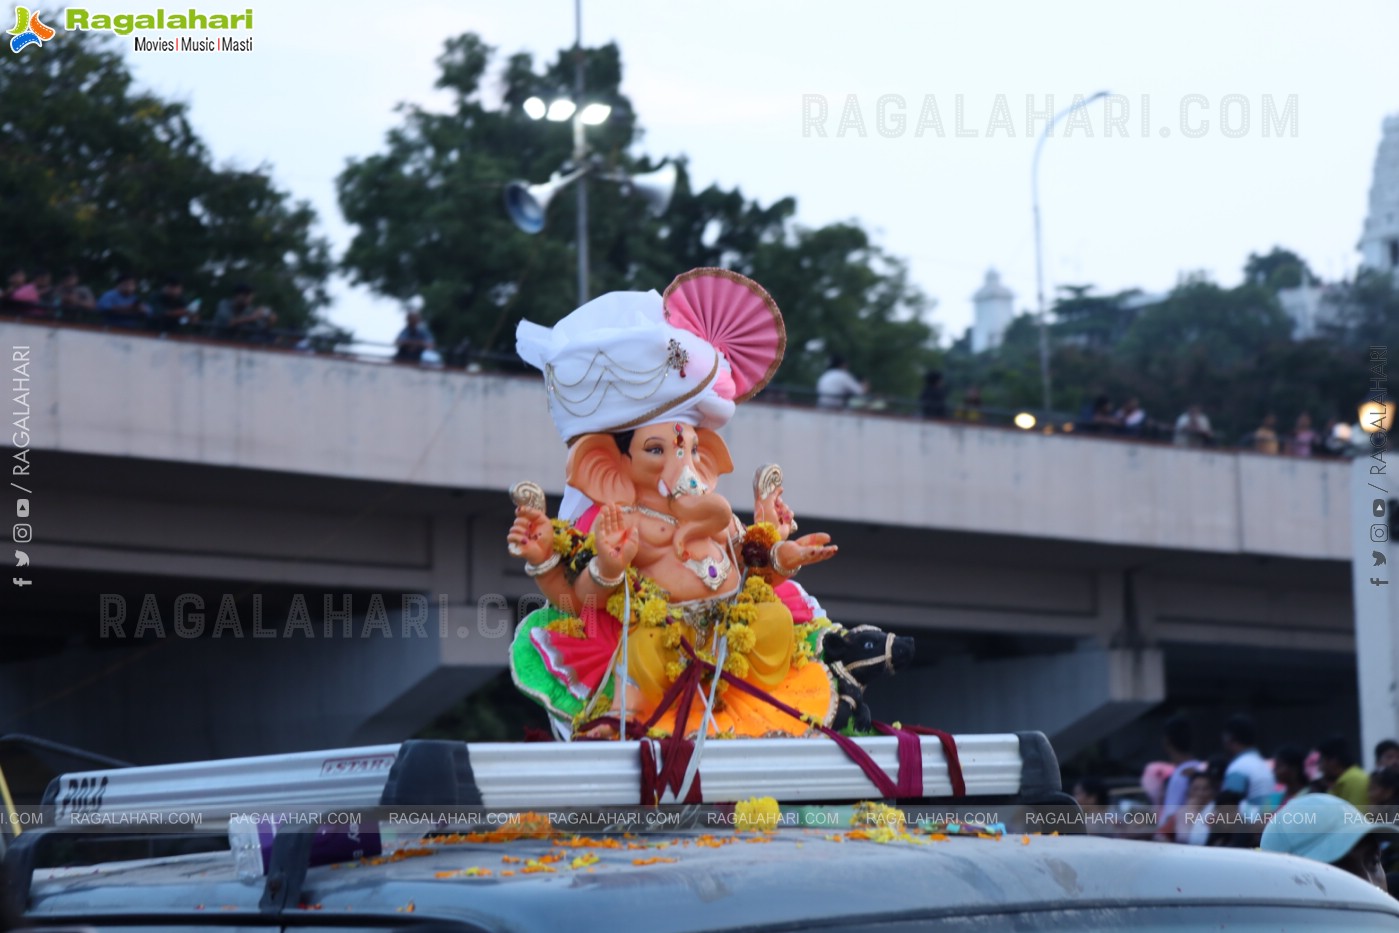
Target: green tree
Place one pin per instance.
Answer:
(842, 293)
(1092, 321)
(1202, 344)
(1280, 268)
(430, 225)
(1368, 312)
(99, 175)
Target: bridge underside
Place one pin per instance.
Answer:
(183, 613)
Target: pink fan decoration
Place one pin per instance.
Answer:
(737, 317)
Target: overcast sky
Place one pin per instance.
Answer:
(732, 86)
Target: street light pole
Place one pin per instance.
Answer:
(1039, 247)
(580, 153)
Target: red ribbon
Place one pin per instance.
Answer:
(676, 751)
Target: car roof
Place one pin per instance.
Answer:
(686, 883)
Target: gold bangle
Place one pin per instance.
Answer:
(602, 581)
(543, 567)
(777, 565)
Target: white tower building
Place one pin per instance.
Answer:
(1379, 243)
(995, 307)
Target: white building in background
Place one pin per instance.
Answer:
(995, 307)
(1312, 304)
(1309, 305)
(1379, 242)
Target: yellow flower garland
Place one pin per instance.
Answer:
(571, 626)
(650, 605)
(757, 814)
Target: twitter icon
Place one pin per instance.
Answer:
(21, 559)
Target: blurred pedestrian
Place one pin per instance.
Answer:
(1132, 418)
(73, 298)
(1387, 754)
(413, 340)
(1178, 742)
(1092, 795)
(1097, 416)
(1304, 440)
(1336, 438)
(1384, 808)
(933, 399)
(1193, 428)
(1265, 436)
(970, 409)
(15, 281)
(169, 306)
(1347, 779)
(1330, 830)
(1290, 771)
(1154, 778)
(121, 306)
(837, 386)
(1190, 825)
(29, 297)
(1247, 775)
(239, 316)
(1383, 789)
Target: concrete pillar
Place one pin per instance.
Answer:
(1376, 590)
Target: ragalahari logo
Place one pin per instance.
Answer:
(29, 30)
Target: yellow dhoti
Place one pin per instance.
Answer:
(770, 668)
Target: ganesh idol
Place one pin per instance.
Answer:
(647, 570)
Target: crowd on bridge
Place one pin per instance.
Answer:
(1236, 797)
(241, 317)
(837, 388)
(169, 309)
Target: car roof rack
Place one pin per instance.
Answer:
(1017, 768)
(524, 775)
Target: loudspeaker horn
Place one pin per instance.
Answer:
(526, 203)
(656, 187)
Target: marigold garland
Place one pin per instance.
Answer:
(572, 626)
(757, 814)
(757, 544)
(868, 813)
(576, 548)
(650, 606)
(802, 634)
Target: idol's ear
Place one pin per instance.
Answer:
(600, 471)
(714, 460)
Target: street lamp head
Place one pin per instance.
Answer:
(1376, 416)
(535, 108)
(595, 114)
(561, 110)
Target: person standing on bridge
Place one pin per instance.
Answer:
(413, 340)
(837, 386)
(933, 399)
(237, 317)
(1193, 429)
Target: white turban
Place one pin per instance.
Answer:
(615, 364)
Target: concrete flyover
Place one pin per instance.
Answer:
(1062, 583)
